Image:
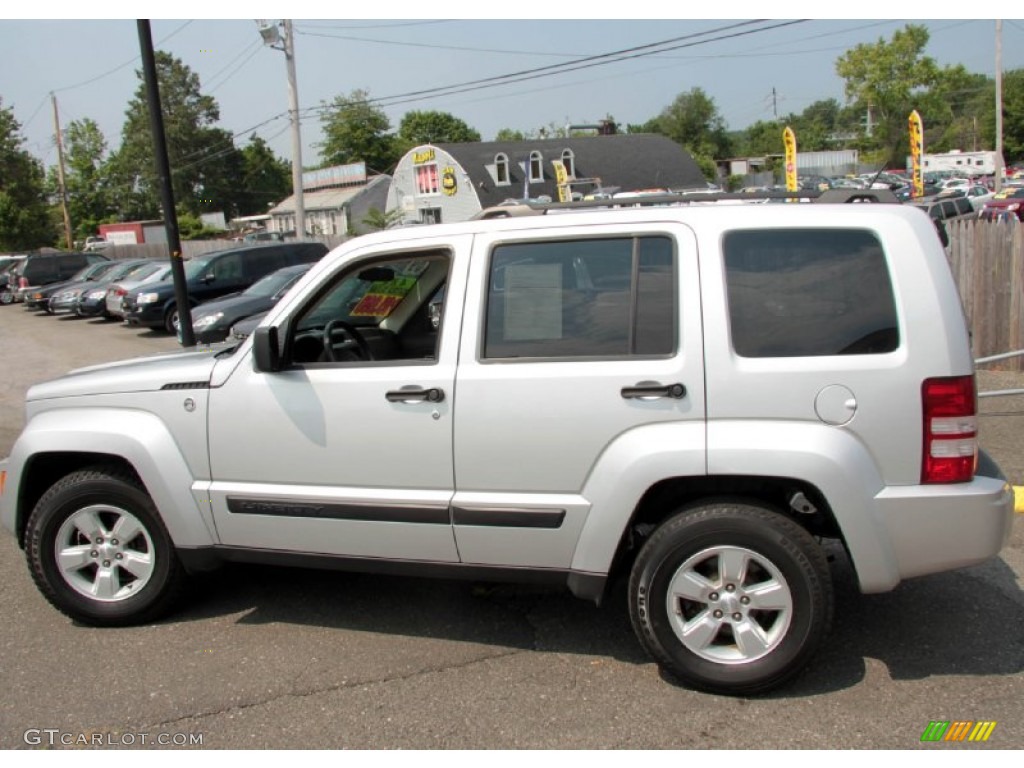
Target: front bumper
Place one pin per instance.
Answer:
(149, 315)
(91, 307)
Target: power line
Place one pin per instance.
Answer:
(255, 48)
(119, 67)
(386, 26)
(588, 62)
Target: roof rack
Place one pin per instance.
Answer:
(830, 196)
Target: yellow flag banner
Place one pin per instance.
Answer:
(562, 180)
(789, 141)
(916, 150)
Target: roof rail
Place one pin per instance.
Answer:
(830, 196)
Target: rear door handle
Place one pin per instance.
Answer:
(414, 394)
(652, 390)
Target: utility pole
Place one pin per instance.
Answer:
(775, 105)
(272, 37)
(163, 170)
(60, 176)
(1000, 164)
(869, 127)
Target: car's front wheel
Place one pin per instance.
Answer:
(171, 319)
(99, 552)
(731, 597)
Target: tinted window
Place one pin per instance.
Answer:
(259, 263)
(795, 293)
(585, 298)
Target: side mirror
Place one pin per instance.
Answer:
(209, 277)
(266, 354)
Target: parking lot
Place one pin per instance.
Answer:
(283, 658)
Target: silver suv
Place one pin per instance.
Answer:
(692, 397)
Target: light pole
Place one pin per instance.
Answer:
(272, 37)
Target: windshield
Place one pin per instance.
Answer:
(272, 283)
(142, 271)
(92, 271)
(121, 270)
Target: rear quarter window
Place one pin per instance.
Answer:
(809, 293)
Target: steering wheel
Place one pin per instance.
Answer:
(345, 331)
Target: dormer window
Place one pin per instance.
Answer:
(536, 166)
(501, 169)
(569, 162)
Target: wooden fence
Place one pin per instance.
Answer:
(987, 259)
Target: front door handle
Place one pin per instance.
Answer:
(414, 394)
(652, 390)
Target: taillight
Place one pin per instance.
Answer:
(23, 282)
(950, 430)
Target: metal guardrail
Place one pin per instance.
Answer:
(996, 358)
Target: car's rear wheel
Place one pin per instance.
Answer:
(731, 597)
(99, 552)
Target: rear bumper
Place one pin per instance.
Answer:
(942, 528)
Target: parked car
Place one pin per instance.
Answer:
(90, 301)
(40, 297)
(978, 194)
(45, 268)
(1009, 203)
(96, 243)
(946, 208)
(212, 320)
(8, 291)
(214, 275)
(241, 330)
(581, 415)
(117, 291)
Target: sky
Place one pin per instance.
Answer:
(753, 70)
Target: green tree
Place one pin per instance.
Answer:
(266, 179)
(355, 130)
(508, 134)
(205, 165)
(693, 121)
(1013, 116)
(762, 138)
(890, 79)
(85, 180)
(24, 214)
(432, 127)
(376, 219)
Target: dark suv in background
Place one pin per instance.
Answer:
(45, 268)
(214, 275)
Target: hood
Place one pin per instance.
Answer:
(184, 369)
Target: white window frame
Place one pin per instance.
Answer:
(500, 166)
(535, 168)
(569, 163)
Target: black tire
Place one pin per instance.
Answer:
(171, 319)
(752, 597)
(103, 580)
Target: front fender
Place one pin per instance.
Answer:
(138, 437)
